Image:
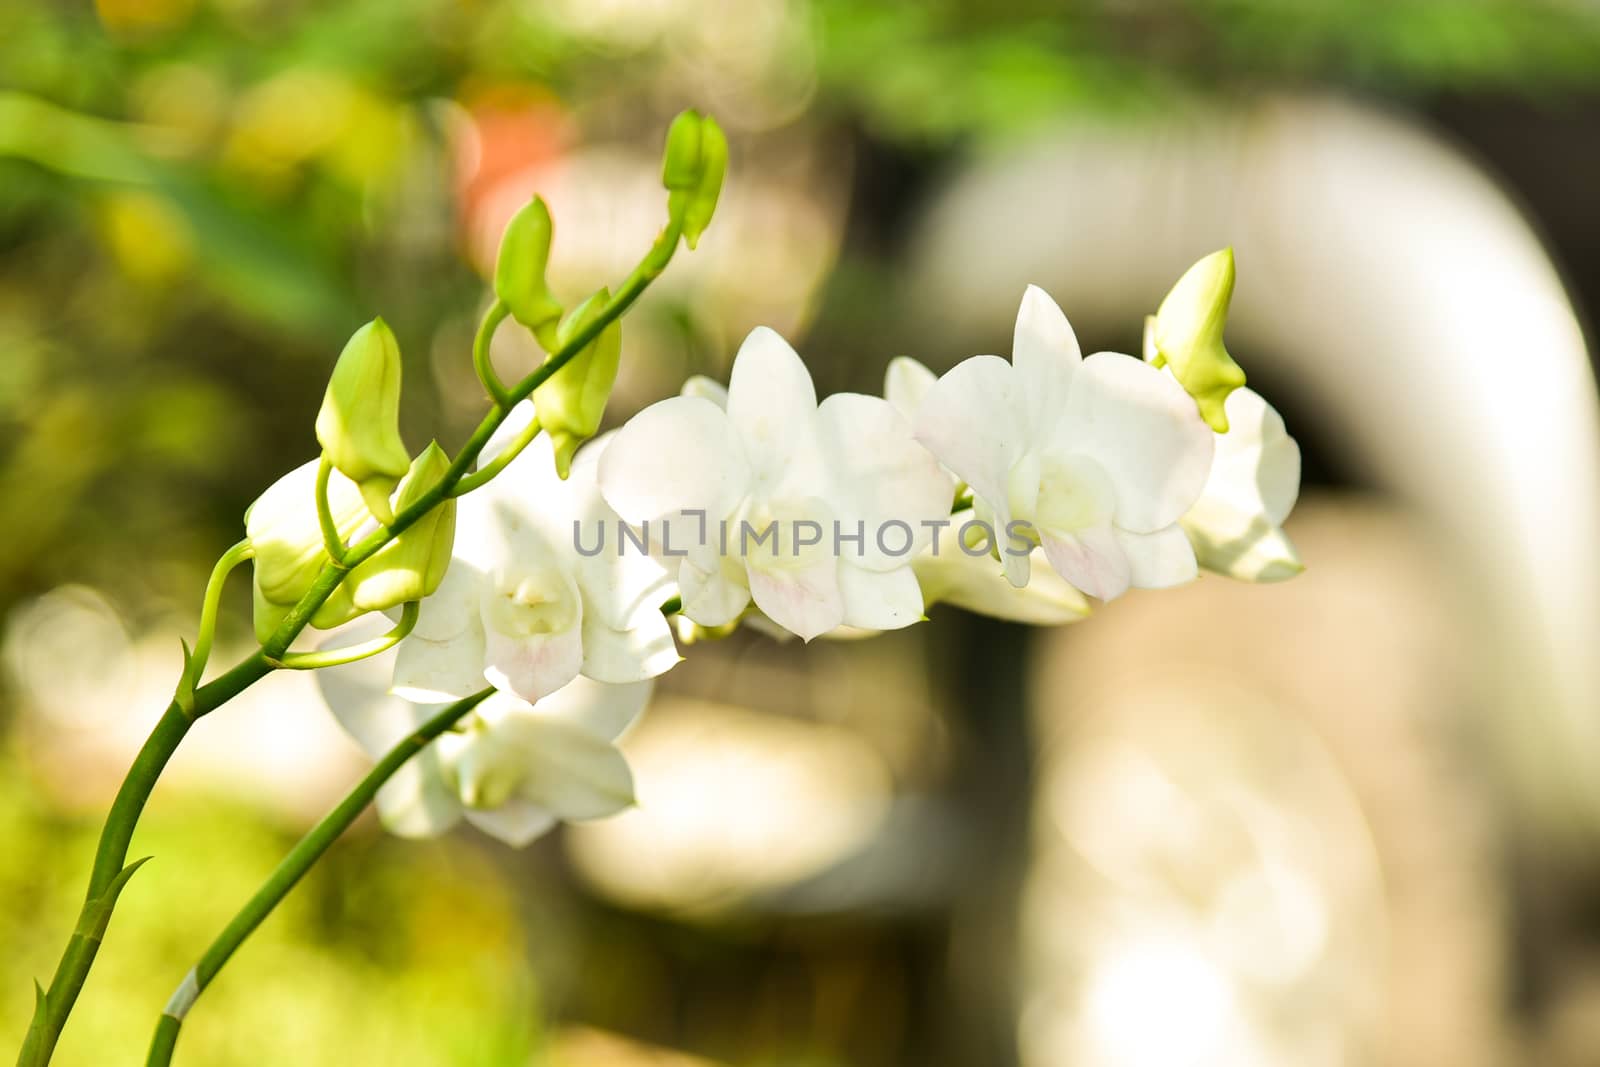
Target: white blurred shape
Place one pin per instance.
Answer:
(731, 803)
(72, 658)
(1157, 1004)
(1271, 923)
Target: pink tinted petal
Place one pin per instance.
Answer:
(806, 601)
(532, 667)
(1091, 559)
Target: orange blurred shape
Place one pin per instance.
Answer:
(510, 130)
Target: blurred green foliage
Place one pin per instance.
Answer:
(391, 952)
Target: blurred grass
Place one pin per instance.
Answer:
(390, 952)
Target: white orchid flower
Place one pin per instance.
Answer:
(970, 580)
(520, 607)
(772, 458)
(1236, 525)
(510, 768)
(1095, 459)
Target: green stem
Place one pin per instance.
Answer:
(480, 353)
(333, 657)
(289, 872)
(52, 1009)
(499, 462)
(195, 667)
(110, 860)
(332, 543)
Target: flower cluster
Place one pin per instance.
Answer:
(1020, 488)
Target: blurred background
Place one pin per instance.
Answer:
(1349, 820)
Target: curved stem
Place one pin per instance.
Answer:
(52, 1009)
(480, 353)
(289, 872)
(333, 657)
(332, 543)
(195, 667)
(110, 871)
(499, 462)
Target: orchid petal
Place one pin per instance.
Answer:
(1045, 352)
(977, 585)
(532, 667)
(417, 801)
(646, 650)
(679, 454)
(804, 600)
(439, 671)
(1144, 431)
(1158, 560)
(572, 773)
(605, 710)
(879, 600)
(707, 389)
(1091, 559)
(971, 420)
(881, 476)
(905, 384)
(517, 823)
(714, 597)
(1256, 470)
(772, 406)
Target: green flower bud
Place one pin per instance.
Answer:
(286, 536)
(713, 167)
(335, 611)
(266, 615)
(412, 565)
(571, 404)
(359, 424)
(680, 161)
(519, 272)
(287, 540)
(1187, 335)
(692, 169)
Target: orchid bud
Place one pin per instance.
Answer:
(519, 272)
(335, 611)
(286, 536)
(266, 616)
(412, 565)
(1187, 336)
(573, 401)
(359, 424)
(702, 202)
(692, 169)
(680, 160)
